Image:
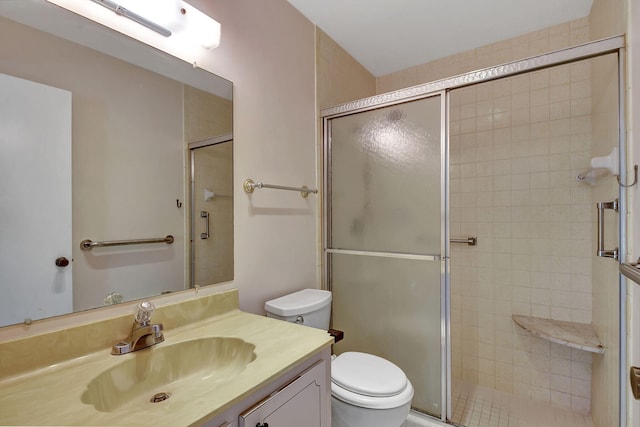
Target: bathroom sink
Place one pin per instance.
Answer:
(158, 372)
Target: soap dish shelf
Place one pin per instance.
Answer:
(581, 336)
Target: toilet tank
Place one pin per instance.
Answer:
(309, 307)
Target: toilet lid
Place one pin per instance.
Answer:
(367, 374)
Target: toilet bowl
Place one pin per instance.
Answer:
(366, 390)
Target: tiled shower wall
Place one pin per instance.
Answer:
(516, 146)
(551, 372)
(213, 171)
(207, 116)
(569, 368)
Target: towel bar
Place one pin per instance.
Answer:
(87, 245)
(249, 185)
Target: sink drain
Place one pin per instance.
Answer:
(160, 397)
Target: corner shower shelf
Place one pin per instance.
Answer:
(572, 334)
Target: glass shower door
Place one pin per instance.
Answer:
(385, 242)
(212, 213)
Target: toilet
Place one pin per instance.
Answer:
(366, 390)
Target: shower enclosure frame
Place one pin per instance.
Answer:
(443, 87)
(192, 146)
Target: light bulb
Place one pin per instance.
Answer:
(161, 12)
(199, 28)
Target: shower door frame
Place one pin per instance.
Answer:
(192, 146)
(442, 257)
(443, 87)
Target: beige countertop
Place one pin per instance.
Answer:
(52, 395)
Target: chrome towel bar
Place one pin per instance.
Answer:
(249, 185)
(87, 245)
(471, 241)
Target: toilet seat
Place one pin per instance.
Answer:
(370, 402)
(369, 381)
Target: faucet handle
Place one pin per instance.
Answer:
(143, 313)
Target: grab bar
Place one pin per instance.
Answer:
(205, 215)
(631, 271)
(249, 185)
(602, 252)
(471, 241)
(87, 245)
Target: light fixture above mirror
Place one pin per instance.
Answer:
(173, 26)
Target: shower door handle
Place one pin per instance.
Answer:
(205, 216)
(602, 252)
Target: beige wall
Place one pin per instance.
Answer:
(268, 51)
(340, 78)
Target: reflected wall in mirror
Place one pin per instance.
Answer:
(212, 209)
(129, 129)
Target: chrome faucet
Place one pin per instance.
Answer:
(143, 334)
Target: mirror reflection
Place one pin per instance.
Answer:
(96, 147)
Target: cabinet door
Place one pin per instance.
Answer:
(299, 403)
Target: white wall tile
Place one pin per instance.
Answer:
(534, 258)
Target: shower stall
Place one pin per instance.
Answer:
(458, 211)
(211, 209)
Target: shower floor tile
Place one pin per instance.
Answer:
(476, 406)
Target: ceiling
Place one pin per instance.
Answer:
(390, 35)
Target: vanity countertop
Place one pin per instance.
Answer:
(52, 395)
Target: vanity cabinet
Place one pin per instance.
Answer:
(299, 397)
(299, 403)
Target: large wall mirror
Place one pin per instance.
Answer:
(103, 138)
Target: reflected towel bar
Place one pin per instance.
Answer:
(87, 245)
(471, 241)
(249, 185)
